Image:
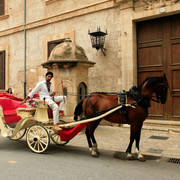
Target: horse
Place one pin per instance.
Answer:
(97, 103)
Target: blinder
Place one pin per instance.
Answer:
(163, 92)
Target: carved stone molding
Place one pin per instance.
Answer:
(121, 1)
(152, 4)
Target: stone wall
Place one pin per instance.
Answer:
(49, 20)
(49, 24)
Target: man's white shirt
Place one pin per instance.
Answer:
(41, 87)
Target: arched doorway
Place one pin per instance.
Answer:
(82, 91)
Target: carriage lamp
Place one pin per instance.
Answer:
(98, 39)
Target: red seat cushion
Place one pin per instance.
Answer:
(10, 112)
(12, 118)
(9, 107)
(9, 96)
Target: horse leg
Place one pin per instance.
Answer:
(91, 147)
(95, 146)
(138, 135)
(128, 151)
(91, 139)
(135, 135)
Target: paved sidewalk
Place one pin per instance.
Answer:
(154, 143)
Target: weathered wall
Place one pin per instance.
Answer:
(49, 20)
(101, 77)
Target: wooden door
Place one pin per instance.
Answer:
(2, 69)
(158, 49)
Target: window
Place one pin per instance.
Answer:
(2, 69)
(82, 91)
(2, 7)
(52, 44)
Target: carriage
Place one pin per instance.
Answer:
(36, 122)
(17, 120)
(38, 126)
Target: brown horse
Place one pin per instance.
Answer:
(98, 103)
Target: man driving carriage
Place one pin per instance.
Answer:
(45, 92)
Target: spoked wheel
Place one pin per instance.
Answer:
(19, 134)
(57, 140)
(38, 138)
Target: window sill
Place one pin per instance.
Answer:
(4, 17)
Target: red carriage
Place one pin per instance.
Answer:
(16, 119)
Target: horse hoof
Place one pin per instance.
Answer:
(130, 156)
(141, 158)
(95, 154)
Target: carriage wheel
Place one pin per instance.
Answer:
(57, 140)
(19, 134)
(38, 138)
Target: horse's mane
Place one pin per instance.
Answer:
(151, 81)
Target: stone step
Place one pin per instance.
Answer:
(160, 125)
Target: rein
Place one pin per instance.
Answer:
(155, 100)
(134, 92)
(95, 113)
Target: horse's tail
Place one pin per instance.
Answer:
(78, 110)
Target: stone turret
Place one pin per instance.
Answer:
(69, 63)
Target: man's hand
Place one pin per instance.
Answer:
(53, 93)
(23, 102)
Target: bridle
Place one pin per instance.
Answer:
(164, 87)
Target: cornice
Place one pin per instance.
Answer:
(64, 16)
(153, 4)
(122, 1)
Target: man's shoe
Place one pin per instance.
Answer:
(56, 127)
(61, 114)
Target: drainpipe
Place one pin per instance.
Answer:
(24, 48)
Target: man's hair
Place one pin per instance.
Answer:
(49, 73)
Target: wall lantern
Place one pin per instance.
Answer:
(98, 39)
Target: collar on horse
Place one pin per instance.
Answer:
(133, 92)
(140, 100)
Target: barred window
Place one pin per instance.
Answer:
(2, 7)
(2, 69)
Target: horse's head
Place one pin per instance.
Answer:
(161, 90)
(157, 85)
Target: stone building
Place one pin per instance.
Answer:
(143, 40)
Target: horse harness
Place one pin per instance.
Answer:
(122, 100)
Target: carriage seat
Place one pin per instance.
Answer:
(9, 107)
